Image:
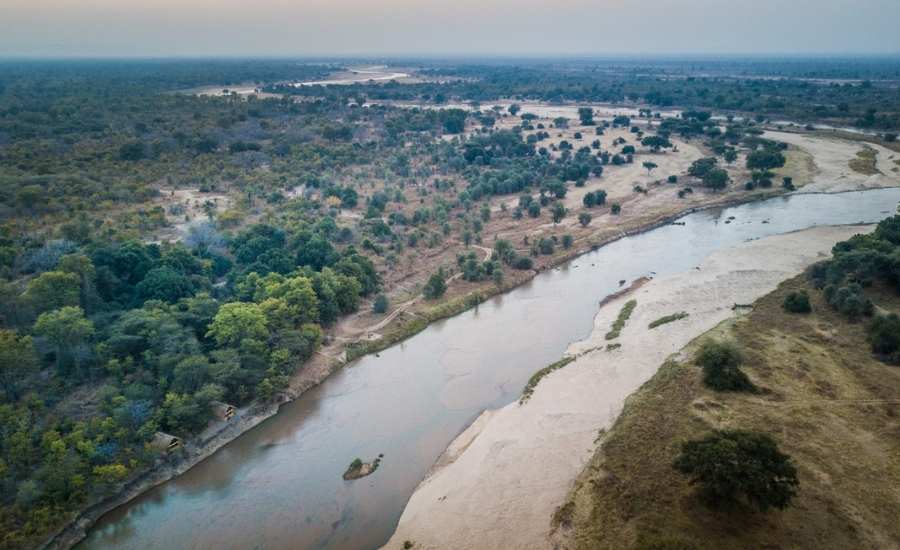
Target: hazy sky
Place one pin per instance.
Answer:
(425, 27)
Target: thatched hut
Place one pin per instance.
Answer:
(223, 411)
(164, 442)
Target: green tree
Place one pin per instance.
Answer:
(53, 290)
(17, 362)
(716, 178)
(728, 464)
(765, 159)
(586, 114)
(64, 328)
(166, 284)
(381, 304)
(236, 322)
(650, 166)
(656, 143)
(559, 212)
(584, 219)
(436, 285)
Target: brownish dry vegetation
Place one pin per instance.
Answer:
(827, 401)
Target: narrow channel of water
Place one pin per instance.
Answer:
(280, 486)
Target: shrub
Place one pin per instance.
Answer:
(728, 464)
(522, 262)
(849, 300)
(616, 208)
(720, 361)
(381, 304)
(436, 285)
(884, 335)
(797, 302)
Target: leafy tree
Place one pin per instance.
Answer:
(65, 329)
(728, 464)
(53, 290)
(17, 362)
(238, 321)
(166, 284)
(586, 114)
(700, 167)
(656, 143)
(650, 166)
(716, 178)
(559, 212)
(615, 209)
(765, 159)
(436, 285)
(381, 304)
(514, 109)
(584, 219)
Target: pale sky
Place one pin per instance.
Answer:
(434, 27)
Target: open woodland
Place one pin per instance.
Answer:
(165, 253)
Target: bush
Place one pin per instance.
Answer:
(728, 464)
(381, 304)
(849, 300)
(523, 263)
(797, 302)
(720, 361)
(884, 335)
(436, 285)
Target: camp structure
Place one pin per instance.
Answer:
(165, 442)
(222, 411)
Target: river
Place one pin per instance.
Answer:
(280, 486)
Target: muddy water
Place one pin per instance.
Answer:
(279, 485)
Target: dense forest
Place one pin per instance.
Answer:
(128, 309)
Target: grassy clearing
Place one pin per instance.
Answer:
(824, 398)
(620, 321)
(865, 162)
(668, 319)
(536, 377)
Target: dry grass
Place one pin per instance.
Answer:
(865, 162)
(825, 399)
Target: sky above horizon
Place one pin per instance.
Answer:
(128, 28)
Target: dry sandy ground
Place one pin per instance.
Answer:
(832, 156)
(500, 481)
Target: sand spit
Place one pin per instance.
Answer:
(832, 156)
(501, 480)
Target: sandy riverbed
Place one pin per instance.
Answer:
(831, 158)
(500, 481)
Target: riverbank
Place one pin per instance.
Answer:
(828, 402)
(501, 487)
(340, 353)
(404, 326)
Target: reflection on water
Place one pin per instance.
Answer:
(280, 486)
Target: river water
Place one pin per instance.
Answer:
(280, 486)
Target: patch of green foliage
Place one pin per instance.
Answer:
(721, 360)
(667, 319)
(621, 319)
(732, 464)
(539, 375)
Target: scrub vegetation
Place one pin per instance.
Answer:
(169, 246)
